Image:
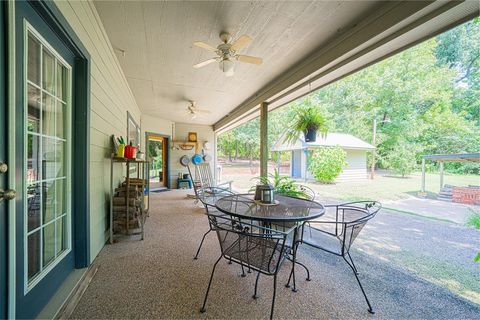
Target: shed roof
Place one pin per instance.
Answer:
(454, 157)
(343, 140)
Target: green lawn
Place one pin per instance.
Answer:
(390, 187)
(383, 187)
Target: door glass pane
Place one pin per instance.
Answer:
(33, 64)
(34, 100)
(48, 243)
(33, 158)
(59, 159)
(48, 201)
(48, 72)
(61, 82)
(48, 127)
(60, 197)
(33, 206)
(33, 254)
(60, 119)
(61, 238)
(48, 158)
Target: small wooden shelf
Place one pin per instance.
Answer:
(127, 201)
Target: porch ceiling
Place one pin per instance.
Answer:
(305, 45)
(157, 40)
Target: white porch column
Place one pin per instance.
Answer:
(423, 174)
(441, 175)
(263, 139)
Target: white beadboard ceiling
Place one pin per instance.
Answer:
(156, 38)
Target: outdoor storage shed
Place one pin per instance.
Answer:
(355, 148)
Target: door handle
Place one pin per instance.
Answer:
(8, 194)
(3, 167)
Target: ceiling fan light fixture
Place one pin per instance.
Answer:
(226, 65)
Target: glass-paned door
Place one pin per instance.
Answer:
(47, 237)
(43, 134)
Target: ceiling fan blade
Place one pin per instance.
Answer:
(240, 42)
(204, 45)
(250, 59)
(204, 63)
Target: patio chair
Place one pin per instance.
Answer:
(204, 177)
(208, 197)
(338, 230)
(261, 249)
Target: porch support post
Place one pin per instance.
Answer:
(423, 174)
(263, 139)
(441, 175)
(278, 162)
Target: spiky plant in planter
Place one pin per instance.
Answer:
(307, 120)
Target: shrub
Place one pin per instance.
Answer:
(474, 221)
(327, 163)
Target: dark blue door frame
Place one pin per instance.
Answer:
(3, 159)
(46, 16)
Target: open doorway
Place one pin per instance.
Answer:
(157, 154)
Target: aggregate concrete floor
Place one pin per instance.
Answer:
(157, 277)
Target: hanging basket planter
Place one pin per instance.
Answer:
(310, 135)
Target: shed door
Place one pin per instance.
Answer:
(297, 163)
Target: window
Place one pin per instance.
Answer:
(47, 160)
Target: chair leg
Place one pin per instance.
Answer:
(202, 310)
(256, 284)
(274, 294)
(370, 309)
(353, 264)
(201, 243)
(243, 272)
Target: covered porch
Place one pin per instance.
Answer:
(131, 75)
(158, 278)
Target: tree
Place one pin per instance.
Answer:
(326, 163)
(402, 159)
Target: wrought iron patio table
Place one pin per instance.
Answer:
(287, 212)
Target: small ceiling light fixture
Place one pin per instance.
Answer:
(226, 65)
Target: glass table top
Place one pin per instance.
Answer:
(287, 209)
(210, 196)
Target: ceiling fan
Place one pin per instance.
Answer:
(227, 53)
(193, 110)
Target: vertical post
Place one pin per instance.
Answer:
(374, 138)
(423, 175)
(441, 175)
(278, 162)
(263, 139)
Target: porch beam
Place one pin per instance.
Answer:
(263, 139)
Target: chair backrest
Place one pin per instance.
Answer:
(308, 192)
(354, 216)
(203, 174)
(209, 196)
(260, 248)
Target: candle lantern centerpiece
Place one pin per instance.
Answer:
(265, 193)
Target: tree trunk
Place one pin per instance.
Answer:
(251, 156)
(236, 150)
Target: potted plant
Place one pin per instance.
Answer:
(307, 120)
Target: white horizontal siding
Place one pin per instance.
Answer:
(110, 99)
(356, 166)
